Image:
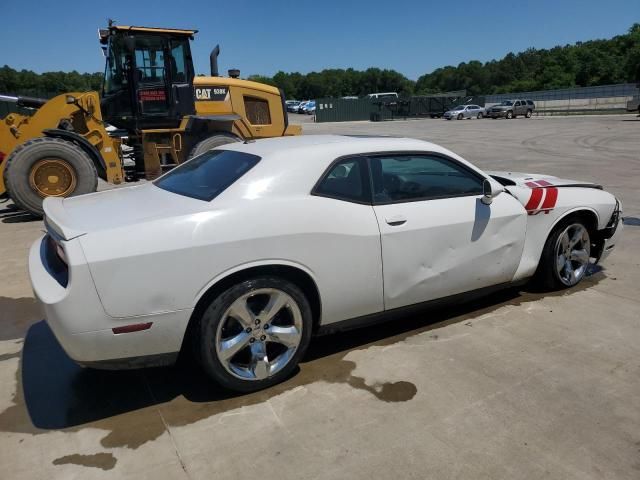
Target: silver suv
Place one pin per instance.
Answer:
(512, 108)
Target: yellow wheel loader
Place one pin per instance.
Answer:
(153, 113)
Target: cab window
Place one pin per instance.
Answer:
(407, 178)
(177, 61)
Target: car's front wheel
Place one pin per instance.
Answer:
(253, 335)
(566, 256)
(509, 114)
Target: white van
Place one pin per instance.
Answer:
(382, 95)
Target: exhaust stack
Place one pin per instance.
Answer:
(213, 61)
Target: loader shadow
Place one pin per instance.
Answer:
(11, 214)
(58, 394)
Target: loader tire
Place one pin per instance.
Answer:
(47, 167)
(212, 142)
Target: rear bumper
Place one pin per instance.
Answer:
(83, 329)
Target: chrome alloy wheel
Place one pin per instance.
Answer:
(259, 334)
(572, 254)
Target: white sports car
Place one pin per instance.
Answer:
(247, 250)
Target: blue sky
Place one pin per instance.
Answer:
(262, 37)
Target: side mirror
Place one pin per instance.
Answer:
(489, 191)
(70, 99)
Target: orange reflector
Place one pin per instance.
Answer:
(136, 327)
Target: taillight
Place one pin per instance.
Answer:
(2, 156)
(60, 253)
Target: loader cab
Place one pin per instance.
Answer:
(148, 80)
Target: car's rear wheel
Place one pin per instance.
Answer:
(509, 114)
(479, 116)
(566, 256)
(528, 114)
(459, 116)
(253, 335)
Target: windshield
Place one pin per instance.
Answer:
(507, 103)
(115, 75)
(208, 175)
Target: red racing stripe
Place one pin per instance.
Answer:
(534, 200)
(531, 184)
(550, 198)
(544, 183)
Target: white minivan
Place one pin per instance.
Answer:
(382, 95)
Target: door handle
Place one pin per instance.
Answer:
(396, 220)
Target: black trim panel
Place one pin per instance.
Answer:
(384, 316)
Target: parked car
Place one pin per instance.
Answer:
(246, 251)
(512, 108)
(464, 111)
(310, 108)
(302, 105)
(375, 96)
(292, 106)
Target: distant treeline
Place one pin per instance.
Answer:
(596, 62)
(26, 82)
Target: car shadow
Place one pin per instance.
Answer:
(59, 394)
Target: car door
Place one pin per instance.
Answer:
(346, 243)
(468, 113)
(437, 237)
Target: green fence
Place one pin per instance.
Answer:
(344, 110)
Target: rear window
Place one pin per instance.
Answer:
(208, 175)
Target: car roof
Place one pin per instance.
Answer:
(340, 144)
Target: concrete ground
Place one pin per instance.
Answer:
(519, 385)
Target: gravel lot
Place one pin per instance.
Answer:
(519, 385)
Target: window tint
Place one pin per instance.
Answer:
(346, 180)
(400, 178)
(257, 110)
(208, 175)
(517, 103)
(529, 102)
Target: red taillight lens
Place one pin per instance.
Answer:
(2, 156)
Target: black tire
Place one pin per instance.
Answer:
(24, 157)
(528, 114)
(211, 142)
(479, 117)
(547, 276)
(213, 315)
(459, 116)
(509, 115)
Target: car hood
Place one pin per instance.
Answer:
(119, 207)
(536, 180)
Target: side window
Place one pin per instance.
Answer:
(257, 110)
(405, 178)
(529, 102)
(177, 61)
(517, 104)
(346, 180)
